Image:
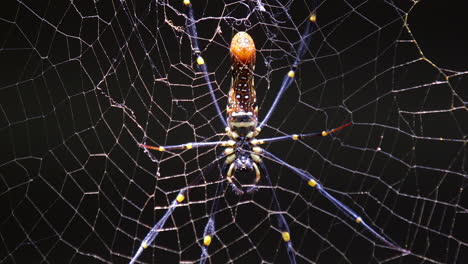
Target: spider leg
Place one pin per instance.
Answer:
(210, 226)
(231, 143)
(229, 176)
(189, 145)
(258, 176)
(192, 31)
(154, 232)
(289, 77)
(343, 208)
(282, 224)
(298, 136)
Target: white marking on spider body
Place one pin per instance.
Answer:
(241, 113)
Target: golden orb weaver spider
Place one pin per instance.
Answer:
(242, 151)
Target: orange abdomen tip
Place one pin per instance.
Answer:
(243, 47)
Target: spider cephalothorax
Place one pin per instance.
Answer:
(243, 157)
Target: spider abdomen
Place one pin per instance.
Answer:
(242, 103)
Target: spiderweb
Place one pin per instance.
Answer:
(83, 83)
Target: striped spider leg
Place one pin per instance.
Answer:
(242, 151)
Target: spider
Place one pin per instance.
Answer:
(242, 152)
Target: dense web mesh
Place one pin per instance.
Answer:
(83, 83)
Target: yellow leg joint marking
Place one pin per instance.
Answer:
(152, 147)
(358, 220)
(286, 236)
(228, 151)
(291, 74)
(256, 142)
(189, 146)
(200, 60)
(207, 240)
(256, 133)
(230, 159)
(229, 173)
(312, 183)
(313, 18)
(324, 133)
(180, 198)
(256, 158)
(229, 143)
(233, 135)
(257, 150)
(257, 173)
(295, 137)
(186, 2)
(144, 245)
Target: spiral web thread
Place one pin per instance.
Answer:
(84, 83)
